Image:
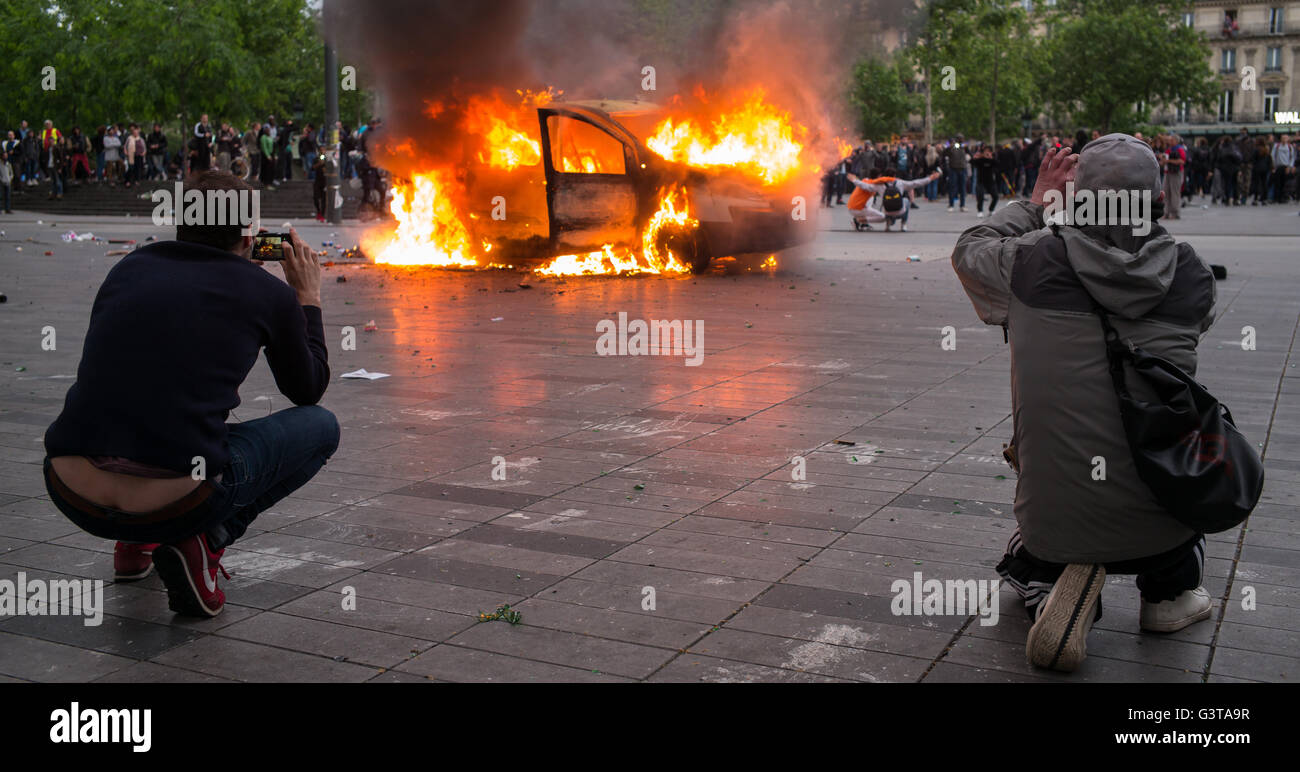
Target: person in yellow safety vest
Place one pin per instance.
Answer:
(52, 157)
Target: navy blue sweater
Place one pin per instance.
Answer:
(173, 332)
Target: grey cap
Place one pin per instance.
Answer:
(1117, 162)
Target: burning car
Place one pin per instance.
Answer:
(601, 187)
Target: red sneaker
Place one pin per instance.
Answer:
(189, 571)
(132, 561)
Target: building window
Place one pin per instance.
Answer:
(1225, 106)
(1182, 111)
(1273, 59)
(1272, 101)
(1228, 60)
(1275, 24)
(1189, 19)
(1028, 5)
(1230, 27)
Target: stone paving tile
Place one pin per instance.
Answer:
(152, 672)
(597, 655)
(842, 631)
(114, 635)
(379, 615)
(640, 626)
(244, 661)
(501, 579)
(35, 659)
(340, 642)
(455, 663)
(539, 540)
(424, 594)
(694, 668)
(630, 598)
(673, 580)
(819, 657)
(743, 529)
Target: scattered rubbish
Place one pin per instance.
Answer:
(342, 280)
(151, 238)
(844, 442)
(20, 369)
(371, 326)
(287, 225)
(117, 252)
(497, 318)
(364, 374)
(121, 241)
(48, 253)
(525, 286)
(19, 248)
(913, 258)
(503, 613)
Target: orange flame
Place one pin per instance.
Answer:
(673, 212)
(752, 136)
(505, 142)
(429, 228)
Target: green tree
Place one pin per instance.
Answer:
(163, 60)
(880, 97)
(992, 53)
(1107, 62)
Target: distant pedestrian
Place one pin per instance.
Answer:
(1174, 159)
(113, 155)
(156, 146)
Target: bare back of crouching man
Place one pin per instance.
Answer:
(142, 452)
(1074, 523)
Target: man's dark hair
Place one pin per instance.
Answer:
(219, 236)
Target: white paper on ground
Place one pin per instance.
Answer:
(362, 373)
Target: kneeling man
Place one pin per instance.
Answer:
(142, 452)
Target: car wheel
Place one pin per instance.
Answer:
(697, 254)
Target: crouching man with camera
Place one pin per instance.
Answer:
(142, 452)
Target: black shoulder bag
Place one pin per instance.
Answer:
(1185, 446)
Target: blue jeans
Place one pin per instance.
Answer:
(956, 186)
(270, 458)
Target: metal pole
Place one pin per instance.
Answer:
(333, 194)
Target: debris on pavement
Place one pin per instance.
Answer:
(365, 374)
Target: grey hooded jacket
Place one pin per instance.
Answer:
(1041, 287)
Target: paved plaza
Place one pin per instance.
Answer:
(740, 520)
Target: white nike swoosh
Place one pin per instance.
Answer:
(209, 580)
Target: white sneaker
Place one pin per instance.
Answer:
(1058, 639)
(903, 228)
(1170, 616)
(949, 209)
(963, 208)
(979, 216)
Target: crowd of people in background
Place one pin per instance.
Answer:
(124, 154)
(1225, 171)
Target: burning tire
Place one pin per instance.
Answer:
(688, 243)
